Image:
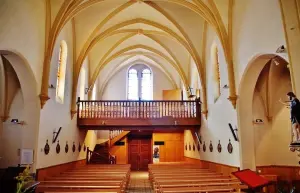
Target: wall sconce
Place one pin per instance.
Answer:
(191, 95)
(55, 135)
(86, 90)
(226, 86)
(103, 123)
(258, 121)
(16, 121)
(281, 49)
(51, 86)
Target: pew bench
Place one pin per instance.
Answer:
(201, 189)
(78, 188)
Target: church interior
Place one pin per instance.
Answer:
(153, 96)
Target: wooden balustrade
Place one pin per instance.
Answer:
(112, 158)
(137, 109)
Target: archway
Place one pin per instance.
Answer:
(258, 67)
(28, 109)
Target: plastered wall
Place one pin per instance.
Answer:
(117, 89)
(55, 115)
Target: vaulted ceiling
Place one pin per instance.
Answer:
(165, 33)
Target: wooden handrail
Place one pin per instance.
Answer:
(112, 158)
(127, 109)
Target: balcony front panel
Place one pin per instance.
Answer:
(138, 113)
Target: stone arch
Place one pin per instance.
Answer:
(31, 106)
(245, 108)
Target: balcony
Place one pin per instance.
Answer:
(106, 114)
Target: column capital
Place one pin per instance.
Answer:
(43, 99)
(233, 99)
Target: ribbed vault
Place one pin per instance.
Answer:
(113, 34)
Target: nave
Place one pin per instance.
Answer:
(173, 177)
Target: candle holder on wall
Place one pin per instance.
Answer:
(190, 148)
(79, 147)
(46, 148)
(57, 147)
(73, 147)
(66, 147)
(186, 147)
(194, 147)
(198, 147)
(204, 147)
(229, 147)
(84, 147)
(211, 148)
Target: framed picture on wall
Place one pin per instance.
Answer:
(26, 157)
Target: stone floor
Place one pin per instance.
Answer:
(139, 183)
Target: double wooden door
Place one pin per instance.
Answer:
(139, 153)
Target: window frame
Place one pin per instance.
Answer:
(139, 68)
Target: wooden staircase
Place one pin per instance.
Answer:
(101, 154)
(117, 138)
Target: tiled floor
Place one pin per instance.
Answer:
(139, 183)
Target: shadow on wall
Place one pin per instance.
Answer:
(260, 79)
(273, 83)
(26, 106)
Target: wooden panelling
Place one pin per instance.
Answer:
(121, 152)
(172, 94)
(225, 169)
(285, 173)
(42, 173)
(166, 121)
(172, 151)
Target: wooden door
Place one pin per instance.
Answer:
(139, 153)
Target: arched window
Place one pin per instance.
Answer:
(140, 83)
(82, 84)
(216, 72)
(146, 85)
(94, 92)
(133, 85)
(61, 72)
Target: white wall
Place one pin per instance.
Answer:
(116, 88)
(13, 136)
(220, 113)
(257, 29)
(55, 115)
(23, 31)
(272, 138)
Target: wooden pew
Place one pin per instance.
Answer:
(91, 178)
(190, 178)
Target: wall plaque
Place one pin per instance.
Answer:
(66, 147)
(73, 147)
(229, 147)
(46, 148)
(211, 148)
(84, 147)
(219, 147)
(57, 147)
(79, 147)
